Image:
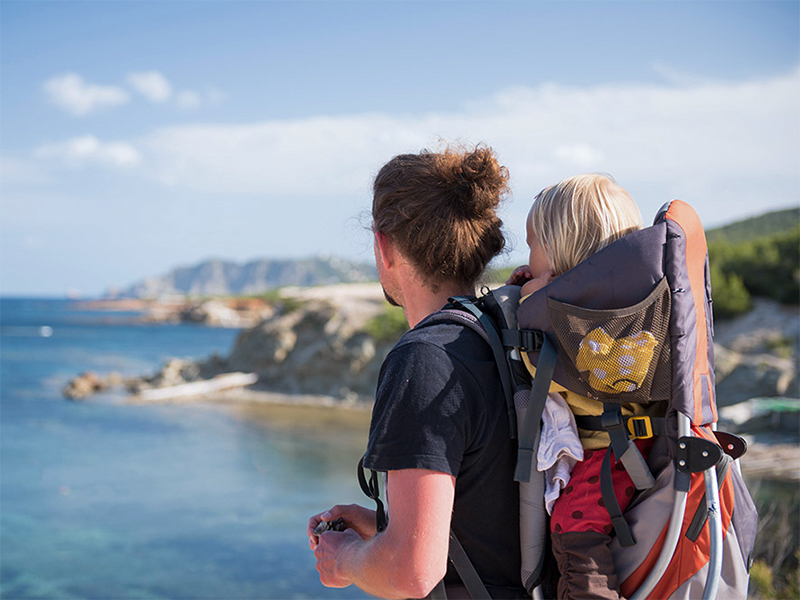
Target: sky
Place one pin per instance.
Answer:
(139, 136)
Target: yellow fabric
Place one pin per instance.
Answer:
(616, 365)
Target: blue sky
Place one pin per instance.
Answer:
(140, 136)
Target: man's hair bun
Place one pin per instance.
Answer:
(440, 209)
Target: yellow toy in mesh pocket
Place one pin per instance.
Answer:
(616, 365)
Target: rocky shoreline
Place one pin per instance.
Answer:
(323, 346)
(236, 313)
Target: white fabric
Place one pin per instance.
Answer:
(559, 448)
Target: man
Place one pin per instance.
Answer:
(439, 426)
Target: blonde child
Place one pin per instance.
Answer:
(567, 223)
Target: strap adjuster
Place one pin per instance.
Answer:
(530, 340)
(640, 428)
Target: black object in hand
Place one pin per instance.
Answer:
(335, 525)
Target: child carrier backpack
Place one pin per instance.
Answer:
(631, 324)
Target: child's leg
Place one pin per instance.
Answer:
(586, 566)
(581, 529)
(580, 506)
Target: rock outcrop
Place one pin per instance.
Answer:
(320, 346)
(89, 383)
(236, 313)
(757, 353)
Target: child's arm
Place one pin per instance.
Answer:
(534, 285)
(520, 275)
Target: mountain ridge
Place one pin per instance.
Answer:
(221, 277)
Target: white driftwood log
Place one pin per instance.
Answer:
(199, 388)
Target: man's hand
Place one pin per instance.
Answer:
(406, 560)
(356, 517)
(330, 546)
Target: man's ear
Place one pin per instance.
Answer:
(386, 249)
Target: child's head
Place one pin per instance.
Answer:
(577, 217)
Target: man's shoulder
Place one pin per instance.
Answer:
(444, 345)
(449, 334)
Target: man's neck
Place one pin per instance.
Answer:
(420, 301)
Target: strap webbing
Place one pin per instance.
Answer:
(621, 527)
(469, 576)
(624, 449)
(372, 491)
(593, 423)
(456, 553)
(529, 434)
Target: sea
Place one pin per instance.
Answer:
(103, 498)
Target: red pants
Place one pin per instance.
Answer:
(580, 506)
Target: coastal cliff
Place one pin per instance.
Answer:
(321, 342)
(326, 341)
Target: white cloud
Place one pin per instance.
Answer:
(152, 85)
(73, 94)
(187, 99)
(712, 133)
(729, 148)
(88, 149)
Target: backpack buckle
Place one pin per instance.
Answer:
(530, 340)
(640, 428)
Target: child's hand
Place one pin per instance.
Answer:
(520, 275)
(534, 285)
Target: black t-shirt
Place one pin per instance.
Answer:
(440, 406)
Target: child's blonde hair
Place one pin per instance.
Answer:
(579, 216)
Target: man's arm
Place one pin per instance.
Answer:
(409, 558)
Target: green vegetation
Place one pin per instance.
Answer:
(498, 275)
(776, 567)
(282, 304)
(387, 326)
(767, 267)
(769, 224)
(730, 295)
(758, 257)
(764, 584)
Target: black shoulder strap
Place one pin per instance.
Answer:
(499, 352)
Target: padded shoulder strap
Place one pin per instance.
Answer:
(483, 324)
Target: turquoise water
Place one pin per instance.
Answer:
(104, 499)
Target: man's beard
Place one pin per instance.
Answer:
(389, 298)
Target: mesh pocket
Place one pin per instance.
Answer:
(619, 355)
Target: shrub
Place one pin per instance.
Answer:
(387, 326)
(730, 296)
(767, 267)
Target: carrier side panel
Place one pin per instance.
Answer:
(690, 557)
(693, 377)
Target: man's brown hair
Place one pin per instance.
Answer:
(440, 209)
